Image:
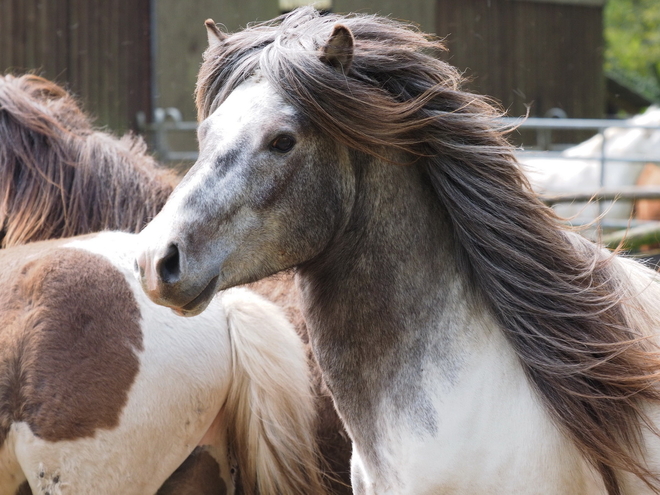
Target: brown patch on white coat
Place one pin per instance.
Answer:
(68, 345)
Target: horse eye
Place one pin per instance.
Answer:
(283, 144)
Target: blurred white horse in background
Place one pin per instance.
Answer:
(579, 168)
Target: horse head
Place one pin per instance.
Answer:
(264, 172)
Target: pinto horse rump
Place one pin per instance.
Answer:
(103, 392)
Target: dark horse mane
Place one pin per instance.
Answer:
(556, 297)
(51, 159)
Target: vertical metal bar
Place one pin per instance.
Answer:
(153, 55)
(603, 161)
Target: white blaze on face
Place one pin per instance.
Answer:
(245, 119)
(240, 111)
(247, 112)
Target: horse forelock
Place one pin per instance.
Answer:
(61, 177)
(557, 299)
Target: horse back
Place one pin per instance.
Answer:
(69, 332)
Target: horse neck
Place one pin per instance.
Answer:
(394, 253)
(387, 300)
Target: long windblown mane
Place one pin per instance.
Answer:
(559, 299)
(59, 176)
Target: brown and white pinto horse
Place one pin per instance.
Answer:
(59, 176)
(104, 392)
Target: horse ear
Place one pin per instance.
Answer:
(338, 50)
(214, 34)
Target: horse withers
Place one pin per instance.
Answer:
(472, 344)
(104, 392)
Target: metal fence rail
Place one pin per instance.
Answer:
(166, 121)
(544, 128)
(600, 125)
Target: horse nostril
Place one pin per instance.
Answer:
(168, 267)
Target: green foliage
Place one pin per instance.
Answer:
(632, 37)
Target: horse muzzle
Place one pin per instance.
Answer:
(165, 279)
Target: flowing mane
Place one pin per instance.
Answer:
(557, 297)
(62, 177)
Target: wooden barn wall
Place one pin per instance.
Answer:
(181, 36)
(528, 53)
(99, 49)
(181, 39)
(419, 12)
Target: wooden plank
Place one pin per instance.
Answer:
(94, 83)
(103, 70)
(123, 64)
(112, 47)
(6, 35)
(145, 66)
(73, 41)
(131, 58)
(61, 11)
(30, 35)
(19, 35)
(42, 33)
(82, 55)
(523, 53)
(99, 49)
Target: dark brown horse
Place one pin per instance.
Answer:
(60, 176)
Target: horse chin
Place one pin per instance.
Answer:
(200, 302)
(194, 312)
